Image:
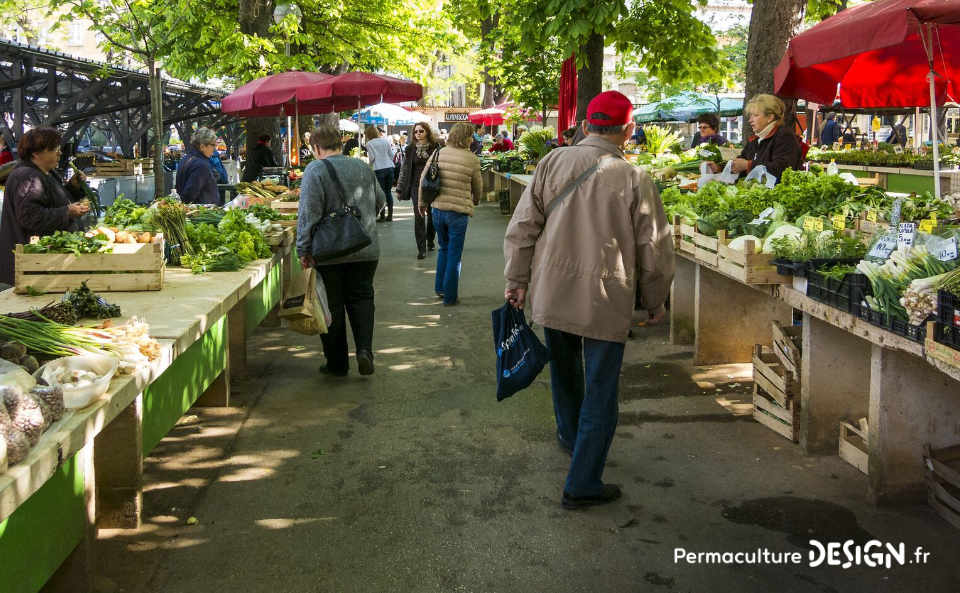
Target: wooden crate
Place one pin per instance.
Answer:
(747, 266)
(786, 346)
(938, 351)
(776, 394)
(776, 381)
(854, 445)
(870, 229)
(285, 207)
(130, 268)
(943, 481)
(700, 246)
(124, 167)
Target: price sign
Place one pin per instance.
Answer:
(812, 223)
(883, 247)
(948, 250)
(906, 232)
(928, 226)
(766, 214)
(839, 222)
(872, 215)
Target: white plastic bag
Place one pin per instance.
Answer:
(761, 175)
(849, 178)
(726, 176)
(105, 367)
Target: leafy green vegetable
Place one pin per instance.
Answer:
(68, 242)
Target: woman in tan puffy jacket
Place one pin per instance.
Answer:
(460, 189)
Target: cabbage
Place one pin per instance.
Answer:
(783, 230)
(739, 243)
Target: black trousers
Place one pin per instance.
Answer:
(349, 294)
(422, 226)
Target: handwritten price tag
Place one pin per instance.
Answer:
(839, 222)
(884, 247)
(872, 215)
(906, 232)
(948, 250)
(813, 224)
(928, 226)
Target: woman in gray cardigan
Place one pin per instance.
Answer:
(348, 279)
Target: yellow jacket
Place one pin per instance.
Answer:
(460, 183)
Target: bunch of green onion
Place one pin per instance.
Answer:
(54, 339)
(891, 279)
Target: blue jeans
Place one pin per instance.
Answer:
(451, 233)
(385, 179)
(586, 410)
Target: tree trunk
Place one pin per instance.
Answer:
(156, 117)
(590, 77)
(488, 26)
(255, 17)
(772, 24)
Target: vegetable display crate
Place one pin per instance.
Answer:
(285, 207)
(787, 346)
(748, 266)
(948, 335)
(853, 445)
(948, 308)
(132, 267)
(943, 481)
(845, 294)
(123, 167)
(935, 348)
(775, 394)
(700, 246)
(916, 333)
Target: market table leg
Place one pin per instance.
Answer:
(516, 190)
(118, 462)
(731, 318)
(237, 328)
(834, 383)
(910, 405)
(683, 302)
(76, 573)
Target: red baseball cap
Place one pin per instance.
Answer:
(609, 108)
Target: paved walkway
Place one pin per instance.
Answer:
(416, 480)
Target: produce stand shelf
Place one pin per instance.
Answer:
(850, 368)
(86, 470)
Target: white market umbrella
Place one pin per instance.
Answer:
(348, 126)
(388, 113)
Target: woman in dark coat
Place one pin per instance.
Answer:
(261, 156)
(196, 180)
(36, 202)
(775, 146)
(415, 158)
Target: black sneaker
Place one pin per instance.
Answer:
(611, 492)
(421, 255)
(365, 362)
(326, 370)
(430, 247)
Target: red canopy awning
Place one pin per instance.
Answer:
(875, 53)
(272, 95)
(487, 117)
(354, 90)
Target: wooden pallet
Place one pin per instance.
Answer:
(775, 417)
(786, 345)
(854, 447)
(943, 481)
(748, 266)
(132, 267)
(700, 246)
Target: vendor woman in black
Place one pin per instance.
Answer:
(36, 201)
(415, 158)
(775, 145)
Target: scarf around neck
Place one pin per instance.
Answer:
(766, 132)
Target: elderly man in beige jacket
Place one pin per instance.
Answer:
(588, 232)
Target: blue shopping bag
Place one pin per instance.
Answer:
(520, 354)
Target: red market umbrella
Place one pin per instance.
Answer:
(567, 104)
(354, 90)
(881, 54)
(487, 117)
(273, 95)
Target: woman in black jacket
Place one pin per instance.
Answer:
(775, 146)
(416, 154)
(196, 181)
(36, 202)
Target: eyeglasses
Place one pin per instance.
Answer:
(419, 132)
(704, 127)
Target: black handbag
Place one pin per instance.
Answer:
(430, 186)
(340, 231)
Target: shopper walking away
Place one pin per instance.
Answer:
(380, 155)
(830, 132)
(415, 158)
(196, 180)
(329, 182)
(587, 227)
(460, 190)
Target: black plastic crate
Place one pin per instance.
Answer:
(504, 201)
(845, 294)
(948, 308)
(947, 335)
(916, 333)
(788, 267)
(863, 311)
